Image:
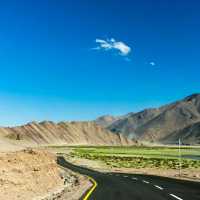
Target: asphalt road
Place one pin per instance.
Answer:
(120, 186)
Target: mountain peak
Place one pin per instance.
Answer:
(192, 97)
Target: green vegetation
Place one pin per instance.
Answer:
(140, 157)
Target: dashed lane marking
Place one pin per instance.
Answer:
(145, 181)
(134, 178)
(176, 197)
(160, 188)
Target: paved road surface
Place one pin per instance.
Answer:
(118, 186)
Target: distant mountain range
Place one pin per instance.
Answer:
(166, 124)
(68, 133)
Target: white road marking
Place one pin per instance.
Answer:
(160, 188)
(125, 176)
(134, 178)
(175, 197)
(145, 182)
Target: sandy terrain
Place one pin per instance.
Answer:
(187, 174)
(34, 174)
(8, 145)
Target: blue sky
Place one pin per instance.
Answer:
(78, 59)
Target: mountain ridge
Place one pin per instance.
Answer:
(179, 119)
(70, 133)
(156, 124)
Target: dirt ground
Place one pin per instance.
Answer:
(34, 174)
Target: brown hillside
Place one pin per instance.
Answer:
(70, 133)
(164, 124)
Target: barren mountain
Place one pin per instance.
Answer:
(190, 134)
(71, 133)
(129, 123)
(164, 123)
(106, 120)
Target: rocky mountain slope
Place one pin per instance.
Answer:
(106, 120)
(166, 123)
(71, 133)
(129, 123)
(188, 135)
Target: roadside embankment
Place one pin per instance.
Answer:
(35, 175)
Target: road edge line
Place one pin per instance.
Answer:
(91, 189)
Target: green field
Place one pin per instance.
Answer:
(141, 157)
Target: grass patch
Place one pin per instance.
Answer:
(139, 157)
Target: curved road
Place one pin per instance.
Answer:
(118, 186)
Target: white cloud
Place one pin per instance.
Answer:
(112, 44)
(152, 63)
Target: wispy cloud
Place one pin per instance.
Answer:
(111, 44)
